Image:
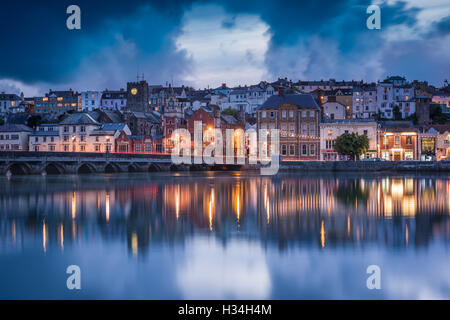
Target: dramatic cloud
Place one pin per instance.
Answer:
(202, 42)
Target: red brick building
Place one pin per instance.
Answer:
(138, 144)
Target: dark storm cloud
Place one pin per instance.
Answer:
(123, 37)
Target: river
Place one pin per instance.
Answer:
(225, 235)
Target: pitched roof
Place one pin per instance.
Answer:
(79, 118)
(113, 126)
(9, 127)
(301, 100)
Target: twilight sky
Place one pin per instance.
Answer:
(201, 43)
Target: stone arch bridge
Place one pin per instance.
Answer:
(24, 163)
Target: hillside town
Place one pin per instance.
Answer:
(402, 120)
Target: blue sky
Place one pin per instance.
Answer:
(201, 43)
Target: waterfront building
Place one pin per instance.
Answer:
(435, 142)
(138, 144)
(45, 138)
(297, 116)
(211, 118)
(398, 140)
(14, 137)
(330, 130)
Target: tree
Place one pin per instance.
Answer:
(34, 121)
(351, 144)
(436, 115)
(231, 112)
(397, 113)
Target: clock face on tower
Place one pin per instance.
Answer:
(134, 91)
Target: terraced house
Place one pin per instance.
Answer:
(297, 116)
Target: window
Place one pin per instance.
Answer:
(272, 114)
(291, 150)
(365, 132)
(397, 140)
(304, 151)
(312, 130)
(312, 149)
(97, 148)
(283, 130)
(304, 130)
(303, 114)
(137, 148)
(82, 129)
(283, 149)
(82, 148)
(283, 114)
(148, 148)
(292, 130)
(66, 129)
(291, 114)
(409, 140)
(264, 114)
(386, 140)
(330, 132)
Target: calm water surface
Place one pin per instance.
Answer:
(225, 235)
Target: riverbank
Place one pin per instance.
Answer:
(363, 166)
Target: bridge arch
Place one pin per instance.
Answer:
(153, 167)
(19, 169)
(132, 168)
(111, 168)
(54, 168)
(85, 168)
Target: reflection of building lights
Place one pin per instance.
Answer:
(74, 205)
(211, 203)
(107, 208)
(61, 236)
(13, 231)
(237, 208)
(397, 188)
(322, 234)
(134, 243)
(348, 225)
(44, 236)
(406, 235)
(177, 202)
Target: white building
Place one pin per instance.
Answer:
(333, 111)
(331, 129)
(77, 133)
(91, 100)
(14, 137)
(364, 102)
(390, 95)
(247, 98)
(45, 138)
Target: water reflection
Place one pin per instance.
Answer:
(327, 211)
(248, 213)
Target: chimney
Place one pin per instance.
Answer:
(280, 92)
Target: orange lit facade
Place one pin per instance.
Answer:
(398, 143)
